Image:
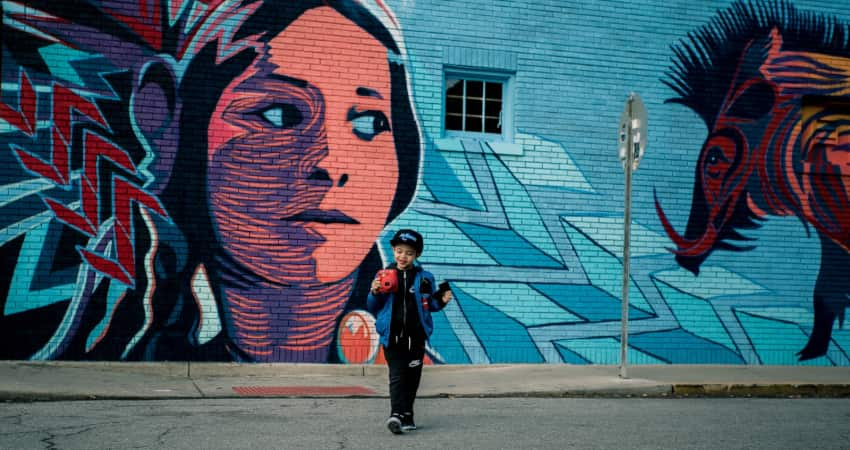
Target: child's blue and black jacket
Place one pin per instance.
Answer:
(381, 305)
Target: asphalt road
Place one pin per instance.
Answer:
(504, 423)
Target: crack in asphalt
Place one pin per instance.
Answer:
(54, 433)
(51, 436)
(160, 439)
(48, 441)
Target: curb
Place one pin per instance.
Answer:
(762, 390)
(32, 397)
(670, 391)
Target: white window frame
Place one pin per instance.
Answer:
(492, 76)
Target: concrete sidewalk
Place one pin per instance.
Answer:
(33, 381)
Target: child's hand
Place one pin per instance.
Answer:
(444, 293)
(376, 284)
(447, 297)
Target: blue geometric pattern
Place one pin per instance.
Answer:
(762, 332)
(522, 216)
(519, 302)
(451, 350)
(712, 282)
(588, 302)
(569, 356)
(59, 58)
(792, 314)
(695, 315)
(607, 231)
(683, 348)
(545, 163)
(604, 268)
(447, 185)
(507, 247)
(27, 296)
(504, 339)
(841, 336)
(606, 351)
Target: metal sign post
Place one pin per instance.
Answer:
(632, 145)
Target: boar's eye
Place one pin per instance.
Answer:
(715, 155)
(722, 152)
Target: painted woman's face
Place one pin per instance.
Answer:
(302, 162)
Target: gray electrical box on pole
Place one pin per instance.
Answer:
(632, 145)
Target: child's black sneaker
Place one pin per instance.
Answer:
(394, 424)
(407, 423)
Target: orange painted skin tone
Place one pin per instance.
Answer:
(302, 160)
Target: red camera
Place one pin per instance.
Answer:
(389, 280)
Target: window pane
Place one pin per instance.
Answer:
(473, 124)
(475, 89)
(454, 105)
(494, 91)
(454, 87)
(454, 122)
(474, 107)
(492, 125)
(494, 108)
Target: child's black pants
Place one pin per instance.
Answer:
(405, 372)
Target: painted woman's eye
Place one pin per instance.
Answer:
(368, 124)
(282, 115)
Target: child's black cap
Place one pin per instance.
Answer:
(409, 237)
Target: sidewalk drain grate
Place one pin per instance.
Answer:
(301, 390)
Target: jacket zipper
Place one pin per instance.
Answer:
(404, 306)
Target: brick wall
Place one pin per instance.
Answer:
(221, 122)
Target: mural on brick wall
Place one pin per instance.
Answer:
(208, 180)
(198, 179)
(773, 87)
(538, 267)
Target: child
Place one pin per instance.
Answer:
(403, 321)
